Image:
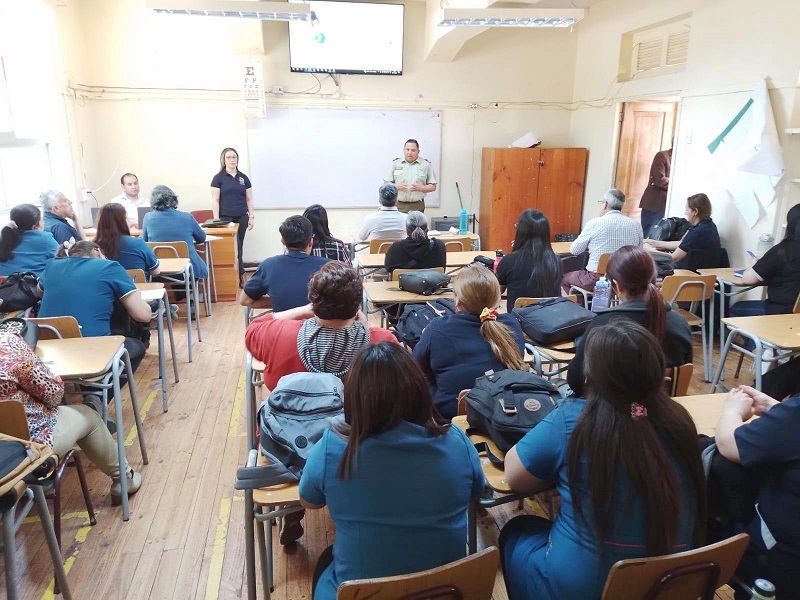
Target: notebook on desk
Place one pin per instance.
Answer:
(217, 223)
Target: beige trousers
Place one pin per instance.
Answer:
(80, 424)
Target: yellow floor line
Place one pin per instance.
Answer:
(132, 434)
(80, 537)
(218, 551)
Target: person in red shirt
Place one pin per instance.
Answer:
(321, 337)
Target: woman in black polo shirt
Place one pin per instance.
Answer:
(232, 198)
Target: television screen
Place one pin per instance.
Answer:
(349, 38)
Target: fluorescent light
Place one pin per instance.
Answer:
(510, 17)
(265, 11)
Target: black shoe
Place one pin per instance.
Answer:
(291, 528)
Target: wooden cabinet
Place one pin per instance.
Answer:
(223, 253)
(514, 179)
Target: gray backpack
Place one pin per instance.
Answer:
(291, 420)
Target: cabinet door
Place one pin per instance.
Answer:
(562, 173)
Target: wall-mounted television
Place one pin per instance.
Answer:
(348, 37)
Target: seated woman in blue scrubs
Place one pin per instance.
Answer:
(79, 282)
(627, 465)
(396, 483)
(23, 244)
(115, 240)
(702, 236)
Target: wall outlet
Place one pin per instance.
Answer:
(277, 90)
(86, 194)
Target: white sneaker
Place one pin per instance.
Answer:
(134, 483)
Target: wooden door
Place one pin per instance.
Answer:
(646, 128)
(562, 172)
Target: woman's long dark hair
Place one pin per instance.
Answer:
(624, 365)
(384, 386)
(634, 269)
(792, 234)
(112, 224)
(533, 238)
(25, 217)
(318, 216)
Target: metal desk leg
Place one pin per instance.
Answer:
(171, 338)
(123, 471)
(52, 543)
(211, 273)
(196, 306)
(162, 360)
(250, 400)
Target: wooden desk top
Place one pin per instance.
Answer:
(79, 358)
(454, 259)
(705, 410)
(726, 275)
(151, 291)
(171, 266)
(380, 292)
(782, 331)
(227, 231)
(561, 247)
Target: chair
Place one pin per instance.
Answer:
(677, 379)
(558, 354)
(795, 311)
(457, 244)
(13, 422)
(137, 275)
(693, 574)
(706, 259)
(264, 305)
(470, 578)
(379, 246)
(602, 263)
(695, 289)
(570, 262)
(201, 216)
(55, 328)
(180, 249)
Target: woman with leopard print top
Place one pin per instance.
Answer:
(24, 378)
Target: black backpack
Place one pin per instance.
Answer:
(415, 318)
(508, 404)
(664, 264)
(669, 229)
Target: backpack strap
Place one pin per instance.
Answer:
(484, 447)
(254, 477)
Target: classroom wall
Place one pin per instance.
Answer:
(127, 121)
(734, 43)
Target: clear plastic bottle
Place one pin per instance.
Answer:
(602, 295)
(765, 242)
(763, 590)
(498, 256)
(463, 222)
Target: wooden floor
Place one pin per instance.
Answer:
(185, 537)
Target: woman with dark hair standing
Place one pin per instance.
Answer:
(417, 251)
(779, 270)
(702, 236)
(232, 198)
(532, 270)
(23, 244)
(626, 463)
(325, 245)
(397, 484)
(632, 274)
(114, 239)
(457, 349)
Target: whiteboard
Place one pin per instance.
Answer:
(334, 157)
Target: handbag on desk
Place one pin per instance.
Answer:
(27, 330)
(18, 292)
(554, 320)
(424, 282)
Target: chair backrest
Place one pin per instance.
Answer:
(397, 272)
(457, 244)
(693, 574)
(677, 379)
(706, 259)
(471, 578)
(523, 302)
(379, 246)
(137, 275)
(462, 402)
(51, 328)
(170, 249)
(602, 262)
(570, 262)
(201, 216)
(13, 421)
(796, 308)
(688, 288)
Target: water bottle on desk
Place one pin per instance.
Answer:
(463, 222)
(763, 590)
(602, 295)
(498, 256)
(764, 243)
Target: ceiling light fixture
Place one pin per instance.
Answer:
(510, 17)
(241, 9)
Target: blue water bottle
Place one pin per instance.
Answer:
(602, 295)
(463, 221)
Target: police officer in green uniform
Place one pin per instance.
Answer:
(413, 176)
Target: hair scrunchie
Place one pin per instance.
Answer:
(12, 225)
(488, 314)
(67, 245)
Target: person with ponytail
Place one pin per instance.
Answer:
(417, 251)
(632, 273)
(626, 462)
(457, 349)
(24, 246)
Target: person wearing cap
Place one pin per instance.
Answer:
(284, 278)
(413, 176)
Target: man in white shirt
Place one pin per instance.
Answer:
(388, 223)
(129, 198)
(607, 233)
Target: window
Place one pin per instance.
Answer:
(657, 49)
(24, 174)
